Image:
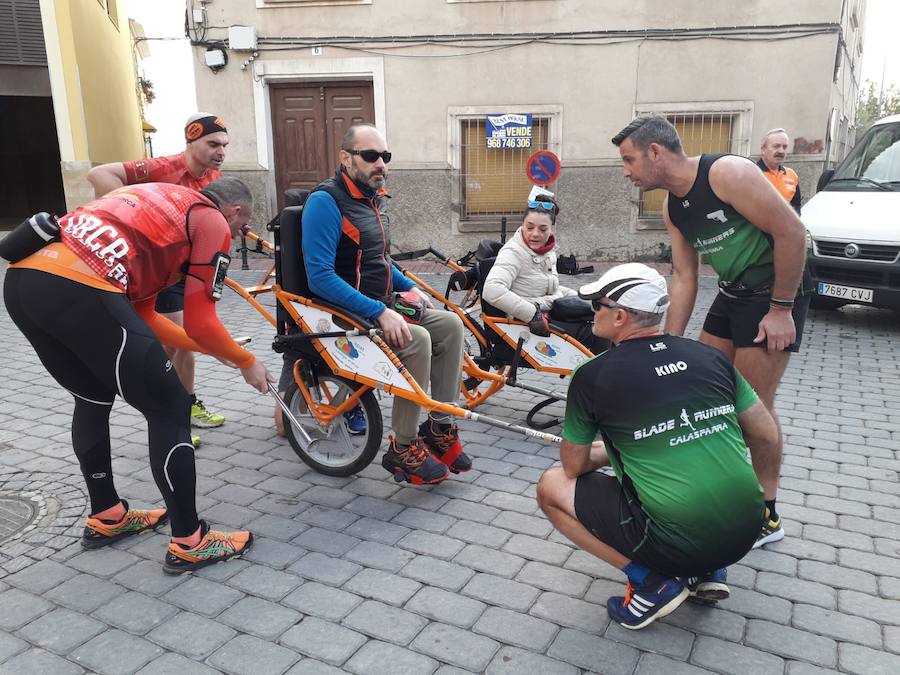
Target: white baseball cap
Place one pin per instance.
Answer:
(632, 285)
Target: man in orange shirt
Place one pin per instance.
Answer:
(196, 167)
(86, 305)
(772, 155)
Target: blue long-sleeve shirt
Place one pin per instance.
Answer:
(321, 234)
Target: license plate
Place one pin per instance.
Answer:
(846, 292)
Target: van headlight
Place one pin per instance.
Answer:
(809, 242)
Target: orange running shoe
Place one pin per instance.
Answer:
(99, 533)
(214, 547)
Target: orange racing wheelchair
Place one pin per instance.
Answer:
(340, 361)
(497, 347)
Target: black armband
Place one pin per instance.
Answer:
(220, 262)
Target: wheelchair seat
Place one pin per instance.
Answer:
(572, 315)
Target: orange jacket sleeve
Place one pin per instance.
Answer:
(209, 235)
(168, 332)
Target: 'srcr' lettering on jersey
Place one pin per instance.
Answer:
(87, 229)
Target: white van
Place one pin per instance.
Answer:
(853, 224)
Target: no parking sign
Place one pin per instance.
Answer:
(542, 168)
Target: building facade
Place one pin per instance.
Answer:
(467, 90)
(96, 100)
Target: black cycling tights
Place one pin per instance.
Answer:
(96, 346)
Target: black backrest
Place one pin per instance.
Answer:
(290, 272)
(486, 255)
(487, 248)
(295, 197)
(293, 271)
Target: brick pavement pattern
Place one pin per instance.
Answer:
(363, 575)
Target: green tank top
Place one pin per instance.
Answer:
(739, 252)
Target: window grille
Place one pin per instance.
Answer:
(492, 181)
(699, 132)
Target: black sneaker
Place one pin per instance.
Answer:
(413, 464)
(771, 531)
(445, 445)
(708, 589)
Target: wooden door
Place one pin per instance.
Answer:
(308, 122)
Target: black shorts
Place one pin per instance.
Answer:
(170, 300)
(604, 507)
(737, 319)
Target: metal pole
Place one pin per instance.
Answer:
(245, 265)
(293, 420)
(502, 229)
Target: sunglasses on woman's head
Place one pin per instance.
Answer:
(548, 206)
(371, 156)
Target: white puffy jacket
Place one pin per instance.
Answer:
(521, 278)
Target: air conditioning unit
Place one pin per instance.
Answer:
(242, 38)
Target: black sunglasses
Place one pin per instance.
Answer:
(371, 156)
(597, 304)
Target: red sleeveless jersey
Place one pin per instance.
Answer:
(168, 169)
(135, 237)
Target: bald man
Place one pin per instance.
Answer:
(206, 137)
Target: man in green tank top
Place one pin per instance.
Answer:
(721, 207)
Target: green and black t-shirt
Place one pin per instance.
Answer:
(737, 250)
(667, 409)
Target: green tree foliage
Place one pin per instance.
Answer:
(870, 108)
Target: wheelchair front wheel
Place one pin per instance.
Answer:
(341, 449)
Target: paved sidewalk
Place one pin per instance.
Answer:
(362, 575)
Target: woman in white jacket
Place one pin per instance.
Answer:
(523, 281)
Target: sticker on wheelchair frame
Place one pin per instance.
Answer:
(355, 354)
(549, 352)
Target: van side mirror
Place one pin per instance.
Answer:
(826, 176)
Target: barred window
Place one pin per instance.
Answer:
(490, 183)
(700, 133)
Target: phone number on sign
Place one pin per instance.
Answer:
(515, 143)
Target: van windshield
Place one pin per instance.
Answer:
(873, 164)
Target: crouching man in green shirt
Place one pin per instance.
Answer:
(676, 420)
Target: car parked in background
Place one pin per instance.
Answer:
(853, 224)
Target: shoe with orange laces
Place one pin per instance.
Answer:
(99, 533)
(442, 441)
(214, 547)
(413, 463)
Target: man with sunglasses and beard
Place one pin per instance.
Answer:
(346, 253)
(676, 421)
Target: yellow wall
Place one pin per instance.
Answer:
(98, 71)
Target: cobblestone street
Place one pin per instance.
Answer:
(366, 576)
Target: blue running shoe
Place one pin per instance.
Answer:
(709, 588)
(356, 421)
(642, 605)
